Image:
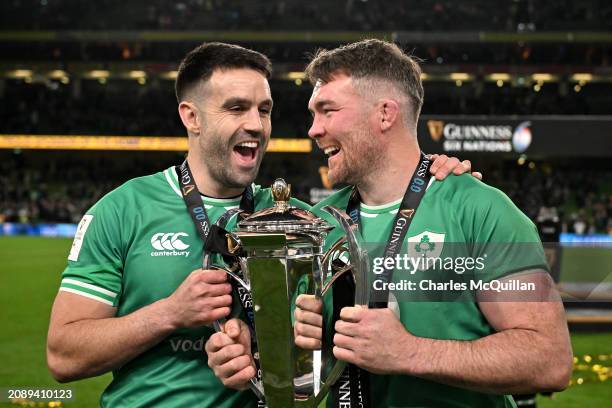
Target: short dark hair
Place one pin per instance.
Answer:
(200, 63)
(371, 59)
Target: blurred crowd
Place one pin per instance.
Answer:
(433, 54)
(31, 198)
(582, 198)
(59, 189)
(367, 15)
(123, 107)
(63, 187)
(90, 108)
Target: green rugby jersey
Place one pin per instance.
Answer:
(460, 216)
(132, 248)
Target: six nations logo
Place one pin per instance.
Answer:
(169, 244)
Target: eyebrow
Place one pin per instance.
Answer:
(243, 101)
(320, 104)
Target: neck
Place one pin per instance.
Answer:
(390, 181)
(206, 184)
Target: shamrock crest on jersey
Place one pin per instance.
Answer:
(426, 244)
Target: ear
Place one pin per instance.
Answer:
(190, 116)
(388, 110)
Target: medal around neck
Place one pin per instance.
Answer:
(279, 255)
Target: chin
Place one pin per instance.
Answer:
(340, 175)
(244, 180)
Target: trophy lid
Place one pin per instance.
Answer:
(283, 217)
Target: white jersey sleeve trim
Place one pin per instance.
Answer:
(170, 181)
(79, 237)
(87, 295)
(90, 286)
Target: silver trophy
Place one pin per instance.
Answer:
(279, 254)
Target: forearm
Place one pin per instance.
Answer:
(509, 362)
(90, 347)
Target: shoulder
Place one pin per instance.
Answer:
(140, 190)
(458, 187)
(467, 191)
(483, 210)
(338, 199)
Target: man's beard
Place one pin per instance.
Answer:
(217, 159)
(362, 156)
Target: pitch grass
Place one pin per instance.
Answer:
(30, 271)
(589, 394)
(584, 264)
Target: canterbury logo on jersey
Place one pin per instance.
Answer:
(169, 244)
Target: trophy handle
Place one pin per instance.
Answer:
(358, 255)
(255, 385)
(207, 264)
(359, 269)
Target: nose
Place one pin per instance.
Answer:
(316, 129)
(254, 122)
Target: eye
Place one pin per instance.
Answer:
(265, 111)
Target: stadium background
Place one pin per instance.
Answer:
(87, 88)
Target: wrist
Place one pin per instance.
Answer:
(167, 314)
(415, 364)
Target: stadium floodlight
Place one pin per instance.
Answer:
(21, 73)
(499, 76)
(582, 79)
(98, 74)
(57, 74)
(137, 74)
(578, 77)
(171, 75)
(293, 75)
(540, 77)
(460, 76)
